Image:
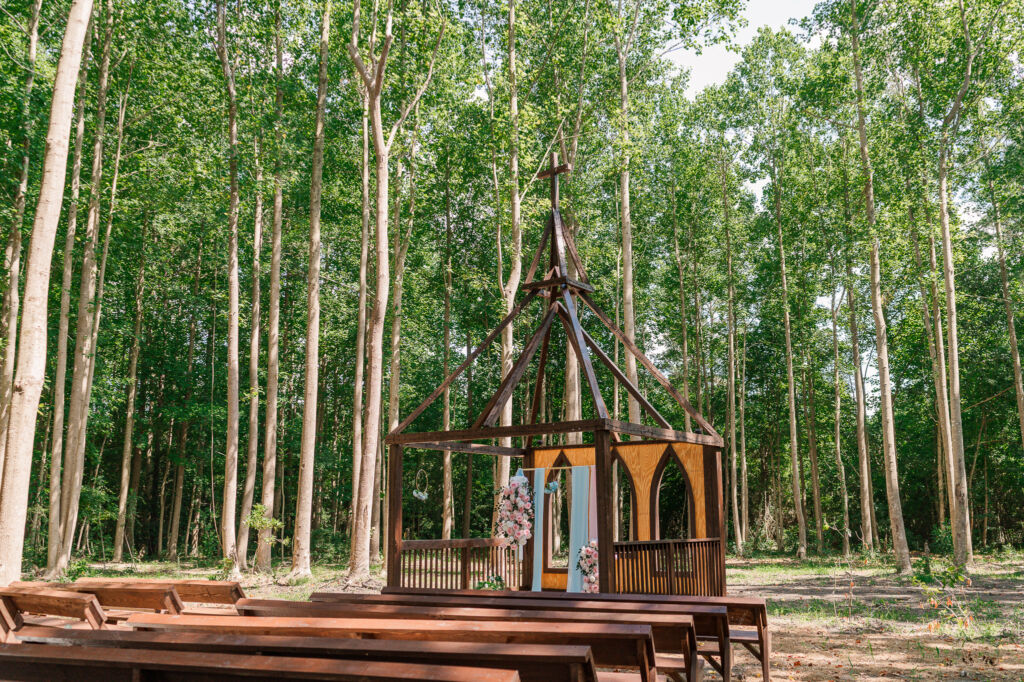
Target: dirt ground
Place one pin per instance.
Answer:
(830, 619)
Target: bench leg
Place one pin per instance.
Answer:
(766, 652)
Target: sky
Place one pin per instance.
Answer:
(712, 66)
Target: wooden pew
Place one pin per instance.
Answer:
(190, 591)
(748, 614)
(16, 602)
(23, 663)
(710, 621)
(534, 662)
(625, 646)
(121, 595)
(672, 633)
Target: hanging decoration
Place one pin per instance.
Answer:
(420, 486)
(515, 512)
(587, 564)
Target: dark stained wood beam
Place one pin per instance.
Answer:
(575, 334)
(570, 244)
(492, 410)
(622, 379)
(491, 432)
(557, 282)
(669, 435)
(469, 360)
(540, 249)
(471, 448)
(646, 362)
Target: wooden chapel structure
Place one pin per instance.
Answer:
(646, 563)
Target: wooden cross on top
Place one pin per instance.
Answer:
(553, 171)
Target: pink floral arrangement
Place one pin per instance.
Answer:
(515, 513)
(588, 566)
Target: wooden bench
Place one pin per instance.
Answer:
(534, 662)
(617, 646)
(124, 595)
(19, 662)
(749, 615)
(711, 621)
(672, 633)
(190, 591)
(17, 602)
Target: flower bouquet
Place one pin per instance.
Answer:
(587, 564)
(515, 513)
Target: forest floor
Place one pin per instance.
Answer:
(831, 619)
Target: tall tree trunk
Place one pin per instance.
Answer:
(892, 489)
(794, 454)
(510, 286)
(812, 452)
(78, 409)
(231, 445)
(447, 504)
(31, 362)
(868, 531)
(303, 506)
(249, 489)
(68, 266)
(1011, 329)
(263, 553)
(467, 507)
(12, 259)
(731, 359)
(745, 491)
(364, 247)
(681, 268)
(837, 437)
(129, 419)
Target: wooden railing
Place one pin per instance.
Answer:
(458, 564)
(686, 567)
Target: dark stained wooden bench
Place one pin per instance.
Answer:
(708, 620)
(190, 591)
(19, 662)
(672, 633)
(748, 615)
(534, 662)
(19, 605)
(613, 645)
(126, 595)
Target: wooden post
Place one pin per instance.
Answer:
(531, 544)
(605, 511)
(394, 545)
(714, 495)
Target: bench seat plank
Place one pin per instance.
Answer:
(45, 662)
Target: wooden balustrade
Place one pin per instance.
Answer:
(458, 564)
(684, 567)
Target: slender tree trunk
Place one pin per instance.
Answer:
(682, 309)
(231, 444)
(794, 454)
(31, 362)
(448, 511)
(812, 452)
(467, 507)
(78, 409)
(731, 359)
(303, 507)
(364, 247)
(129, 419)
(249, 489)
(899, 536)
(263, 553)
(11, 300)
(510, 286)
(628, 313)
(745, 492)
(1011, 329)
(68, 266)
(837, 437)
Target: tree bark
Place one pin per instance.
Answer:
(794, 454)
(681, 268)
(447, 511)
(812, 452)
(364, 247)
(11, 301)
(129, 419)
(31, 362)
(837, 437)
(78, 409)
(249, 488)
(263, 553)
(231, 444)
(892, 489)
(745, 491)
(731, 359)
(304, 500)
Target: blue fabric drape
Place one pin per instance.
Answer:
(538, 528)
(578, 524)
